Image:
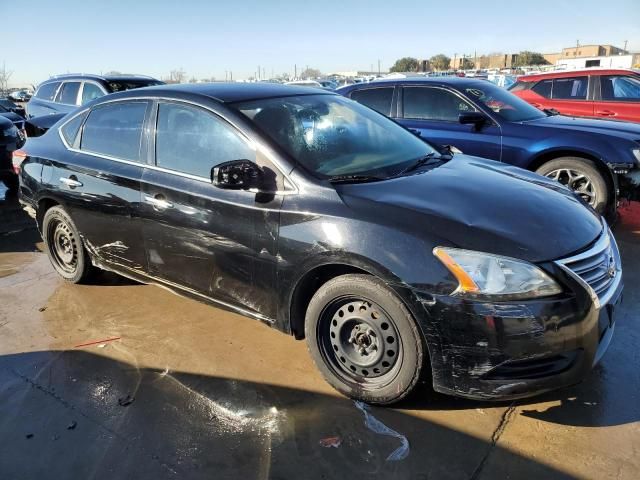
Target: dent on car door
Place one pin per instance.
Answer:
(435, 111)
(99, 180)
(217, 243)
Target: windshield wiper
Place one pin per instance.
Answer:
(354, 178)
(420, 162)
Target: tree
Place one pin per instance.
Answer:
(466, 64)
(405, 64)
(177, 76)
(5, 75)
(529, 58)
(310, 73)
(440, 62)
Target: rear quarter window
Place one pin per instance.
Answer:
(379, 99)
(70, 129)
(47, 91)
(543, 88)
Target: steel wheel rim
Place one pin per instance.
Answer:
(577, 181)
(359, 341)
(63, 246)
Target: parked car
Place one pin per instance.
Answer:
(305, 83)
(323, 219)
(11, 139)
(7, 106)
(64, 93)
(20, 96)
(599, 93)
(595, 158)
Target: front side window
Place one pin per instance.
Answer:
(90, 91)
(570, 88)
(48, 91)
(330, 135)
(193, 141)
(115, 130)
(620, 88)
(427, 103)
(377, 98)
(543, 88)
(69, 93)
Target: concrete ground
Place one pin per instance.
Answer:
(123, 380)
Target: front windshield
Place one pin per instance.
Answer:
(334, 136)
(504, 104)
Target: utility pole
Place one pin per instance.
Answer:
(378, 66)
(625, 46)
(231, 79)
(258, 76)
(455, 67)
(295, 71)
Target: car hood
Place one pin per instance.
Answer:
(481, 205)
(628, 130)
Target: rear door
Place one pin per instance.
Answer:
(618, 97)
(99, 181)
(216, 243)
(570, 96)
(42, 103)
(434, 111)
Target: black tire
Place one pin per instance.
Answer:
(345, 355)
(64, 246)
(595, 192)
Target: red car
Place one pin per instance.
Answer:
(598, 93)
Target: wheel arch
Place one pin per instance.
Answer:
(44, 204)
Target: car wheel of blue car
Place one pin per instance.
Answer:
(581, 176)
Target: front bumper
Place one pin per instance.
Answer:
(498, 351)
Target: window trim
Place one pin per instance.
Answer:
(154, 101)
(438, 87)
(55, 93)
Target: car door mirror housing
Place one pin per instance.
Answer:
(237, 175)
(473, 118)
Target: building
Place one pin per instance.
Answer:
(610, 61)
(552, 58)
(591, 51)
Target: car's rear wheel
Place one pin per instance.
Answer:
(363, 339)
(581, 176)
(64, 246)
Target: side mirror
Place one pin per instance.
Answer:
(473, 118)
(237, 175)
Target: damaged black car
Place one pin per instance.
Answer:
(328, 221)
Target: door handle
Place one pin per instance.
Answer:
(606, 113)
(70, 182)
(158, 202)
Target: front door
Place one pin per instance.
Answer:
(213, 242)
(434, 112)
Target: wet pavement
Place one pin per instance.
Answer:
(123, 380)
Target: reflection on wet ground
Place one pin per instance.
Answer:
(122, 380)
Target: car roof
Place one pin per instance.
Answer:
(581, 71)
(229, 92)
(104, 78)
(418, 79)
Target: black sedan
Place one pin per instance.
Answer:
(316, 215)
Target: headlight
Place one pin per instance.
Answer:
(636, 153)
(485, 275)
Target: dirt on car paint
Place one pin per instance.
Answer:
(159, 386)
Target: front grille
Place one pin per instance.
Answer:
(599, 266)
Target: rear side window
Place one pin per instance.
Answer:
(570, 88)
(193, 141)
(47, 91)
(71, 128)
(543, 88)
(379, 99)
(426, 103)
(520, 85)
(69, 93)
(90, 92)
(620, 88)
(115, 130)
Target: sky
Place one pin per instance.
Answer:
(211, 38)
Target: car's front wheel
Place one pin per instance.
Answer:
(64, 246)
(363, 339)
(581, 176)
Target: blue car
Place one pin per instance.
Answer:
(599, 159)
